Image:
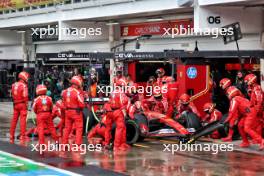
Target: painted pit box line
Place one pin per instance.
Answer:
(13, 165)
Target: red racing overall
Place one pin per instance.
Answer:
(116, 111)
(241, 106)
(43, 107)
(256, 100)
(73, 101)
(58, 111)
(20, 100)
(215, 115)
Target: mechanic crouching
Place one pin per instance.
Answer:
(212, 115)
(225, 84)
(240, 107)
(155, 103)
(185, 104)
(58, 111)
(97, 134)
(73, 102)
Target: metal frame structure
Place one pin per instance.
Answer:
(167, 54)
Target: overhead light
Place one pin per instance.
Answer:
(154, 19)
(20, 31)
(112, 23)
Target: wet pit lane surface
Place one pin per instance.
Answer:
(145, 158)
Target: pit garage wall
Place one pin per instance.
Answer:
(90, 42)
(249, 42)
(100, 46)
(10, 45)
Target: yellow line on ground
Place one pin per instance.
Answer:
(139, 145)
(162, 140)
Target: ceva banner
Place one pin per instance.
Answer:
(16, 4)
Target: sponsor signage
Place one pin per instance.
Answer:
(134, 55)
(192, 72)
(153, 28)
(16, 4)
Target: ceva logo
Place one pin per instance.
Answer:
(124, 55)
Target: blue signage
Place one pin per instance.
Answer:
(192, 72)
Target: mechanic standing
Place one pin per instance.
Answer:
(42, 106)
(20, 101)
(172, 96)
(240, 107)
(119, 77)
(256, 99)
(116, 113)
(73, 102)
(161, 76)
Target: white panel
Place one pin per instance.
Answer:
(251, 19)
(77, 47)
(249, 42)
(11, 52)
(9, 37)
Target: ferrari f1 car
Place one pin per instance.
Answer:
(153, 124)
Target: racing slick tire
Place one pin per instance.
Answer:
(132, 131)
(142, 121)
(224, 131)
(190, 120)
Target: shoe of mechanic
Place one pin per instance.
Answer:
(244, 144)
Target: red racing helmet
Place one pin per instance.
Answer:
(225, 83)
(121, 82)
(41, 90)
(185, 99)
(23, 76)
(232, 92)
(160, 71)
(208, 107)
(250, 79)
(76, 80)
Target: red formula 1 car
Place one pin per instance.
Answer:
(153, 124)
